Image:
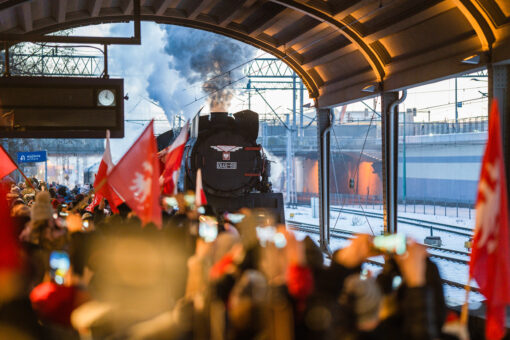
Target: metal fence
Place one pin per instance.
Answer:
(375, 202)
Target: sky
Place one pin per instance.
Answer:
(164, 78)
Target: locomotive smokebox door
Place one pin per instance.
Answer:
(229, 169)
(233, 164)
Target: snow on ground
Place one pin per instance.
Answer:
(464, 218)
(372, 225)
(449, 270)
(455, 297)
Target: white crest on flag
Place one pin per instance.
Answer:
(142, 183)
(487, 211)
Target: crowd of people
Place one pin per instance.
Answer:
(84, 274)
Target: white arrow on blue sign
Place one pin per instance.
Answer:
(32, 157)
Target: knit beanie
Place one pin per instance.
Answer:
(42, 210)
(364, 296)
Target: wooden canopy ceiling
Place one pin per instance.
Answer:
(337, 47)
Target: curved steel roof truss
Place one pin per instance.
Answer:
(337, 47)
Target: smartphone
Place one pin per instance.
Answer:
(208, 228)
(190, 199)
(279, 240)
(234, 218)
(62, 211)
(172, 202)
(391, 244)
(59, 266)
(268, 234)
(265, 234)
(85, 225)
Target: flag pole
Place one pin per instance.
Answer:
(85, 199)
(89, 194)
(26, 179)
(20, 171)
(465, 311)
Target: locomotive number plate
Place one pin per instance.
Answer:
(226, 165)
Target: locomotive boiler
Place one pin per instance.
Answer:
(235, 170)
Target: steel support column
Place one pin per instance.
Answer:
(325, 120)
(499, 79)
(389, 135)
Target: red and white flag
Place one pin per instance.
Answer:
(103, 189)
(135, 178)
(9, 248)
(490, 257)
(200, 198)
(172, 158)
(6, 164)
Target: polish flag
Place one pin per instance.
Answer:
(103, 189)
(490, 257)
(200, 198)
(172, 157)
(135, 178)
(6, 164)
(9, 248)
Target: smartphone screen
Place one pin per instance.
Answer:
(268, 234)
(85, 225)
(59, 266)
(172, 202)
(265, 234)
(190, 199)
(393, 244)
(234, 218)
(208, 228)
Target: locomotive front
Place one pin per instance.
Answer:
(235, 171)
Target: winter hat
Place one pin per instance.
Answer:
(42, 210)
(364, 296)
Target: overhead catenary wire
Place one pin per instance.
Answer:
(356, 174)
(252, 59)
(285, 57)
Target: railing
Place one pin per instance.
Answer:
(465, 125)
(55, 65)
(358, 128)
(375, 202)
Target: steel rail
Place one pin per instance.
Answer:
(416, 222)
(349, 235)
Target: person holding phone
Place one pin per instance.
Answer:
(410, 310)
(55, 299)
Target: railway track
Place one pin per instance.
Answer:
(457, 230)
(345, 234)
(433, 251)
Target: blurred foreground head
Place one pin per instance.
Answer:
(135, 274)
(362, 297)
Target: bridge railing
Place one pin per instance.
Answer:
(357, 129)
(415, 206)
(464, 125)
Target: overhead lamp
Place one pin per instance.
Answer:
(369, 88)
(472, 60)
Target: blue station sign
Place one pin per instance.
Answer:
(32, 157)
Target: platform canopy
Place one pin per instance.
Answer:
(337, 47)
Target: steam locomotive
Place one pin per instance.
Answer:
(235, 170)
